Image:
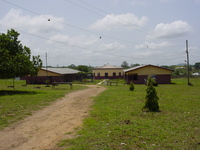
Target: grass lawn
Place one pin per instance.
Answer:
(17, 103)
(117, 122)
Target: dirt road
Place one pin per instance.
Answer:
(46, 127)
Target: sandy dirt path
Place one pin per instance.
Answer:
(46, 127)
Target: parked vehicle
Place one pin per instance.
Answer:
(154, 78)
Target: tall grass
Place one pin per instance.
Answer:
(117, 121)
(17, 103)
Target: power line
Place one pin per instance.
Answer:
(79, 28)
(143, 31)
(67, 24)
(79, 47)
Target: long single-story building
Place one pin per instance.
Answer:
(139, 74)
(108, 72)
(52, 75)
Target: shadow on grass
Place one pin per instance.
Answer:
(14, 92)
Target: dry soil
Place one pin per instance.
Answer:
(46, 127)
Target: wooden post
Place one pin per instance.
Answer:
(188, 67)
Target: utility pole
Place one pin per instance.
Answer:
(46, 67)
(188, 72)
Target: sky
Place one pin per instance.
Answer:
(95, 33)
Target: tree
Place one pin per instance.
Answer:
(15, 58)
(131, 86)
(124, 64)
(151, 103)
(72, 66)
(83, 68)
(134, 65)
(197, 65)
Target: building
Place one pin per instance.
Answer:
(52, 75)
(139, 74)
(108, 72)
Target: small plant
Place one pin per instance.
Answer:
(151, 103)
(131, 86)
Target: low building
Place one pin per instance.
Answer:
(108, 72)
(139, 74)
(52, 75)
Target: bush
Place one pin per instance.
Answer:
(131, 86)
(151, 103)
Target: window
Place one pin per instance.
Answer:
(106, 75)
(98, 74)
(114, 74)
(120, 74)
(135, 77)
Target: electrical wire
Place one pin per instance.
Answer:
(79, 47)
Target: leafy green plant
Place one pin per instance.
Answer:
(151, 103)
(131, 86)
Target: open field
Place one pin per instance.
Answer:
(117, 122)
(17, 103)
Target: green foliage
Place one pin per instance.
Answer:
(15, 58)
(116, 121)
(125, 64)
(131, 86)
(197, 65)
(151, 103)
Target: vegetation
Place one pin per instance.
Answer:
(151, 103)
(16, 104)
(15, 58)
(131, 86)
(117, 122)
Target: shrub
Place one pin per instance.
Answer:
(131, 86)
(151, 103)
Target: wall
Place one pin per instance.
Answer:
(150, 70)
(110, 73)
(44, 73)
(139, 75)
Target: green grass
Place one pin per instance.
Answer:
(15, 104)
(117, 122)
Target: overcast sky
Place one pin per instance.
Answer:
(98, 32)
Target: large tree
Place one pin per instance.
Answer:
(197, 65)
(125, 64)
(15, 59)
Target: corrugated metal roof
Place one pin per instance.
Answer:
(138, 67)
(62, 70)
(108, 67)
(134, 68)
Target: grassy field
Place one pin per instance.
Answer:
(17, 103)
(117, 122)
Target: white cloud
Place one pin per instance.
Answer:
(115, 21)
(147, 45)
(174, 29)
(37, 24)
(112, 46)
(76, 41)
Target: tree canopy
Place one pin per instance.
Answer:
(15, 59)
(125, 64)
(197, 65)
